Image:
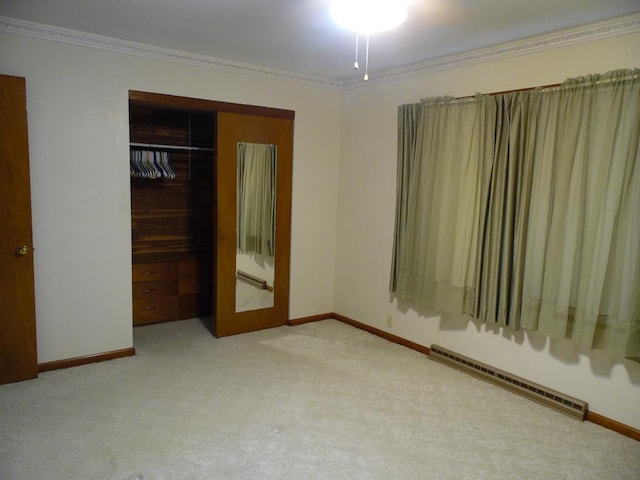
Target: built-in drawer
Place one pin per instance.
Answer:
(145, 272)
(194, 276)
(189, 268)
(155, 310)
(154, 289)
(197, 267)
(188, 306)
(195, 305)
(187, 285)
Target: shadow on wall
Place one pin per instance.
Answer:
(602, 362)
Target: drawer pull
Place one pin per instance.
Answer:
(149, 273)
(150, 308)
(148, 290)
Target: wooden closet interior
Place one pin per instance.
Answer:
(172, 219)
(183, 154)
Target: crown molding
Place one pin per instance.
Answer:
(610, 28)
(605, 29)
(83, 39)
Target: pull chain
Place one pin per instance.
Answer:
(366, 58)
(366, 62)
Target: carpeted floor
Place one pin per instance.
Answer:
(249, 297)
(316, 401)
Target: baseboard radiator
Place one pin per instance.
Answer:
(253, 280)
(551, 398)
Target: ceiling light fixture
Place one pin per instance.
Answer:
(365, 17)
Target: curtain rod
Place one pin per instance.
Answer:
(632, 73)
(503, 92)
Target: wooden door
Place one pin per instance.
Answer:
(234, 128)
(18, 355)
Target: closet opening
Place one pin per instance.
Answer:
(186, 206)
(172, 172)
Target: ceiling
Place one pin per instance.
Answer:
(299, 36)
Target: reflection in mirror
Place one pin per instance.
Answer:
(256, 215)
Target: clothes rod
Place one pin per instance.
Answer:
(169, 147)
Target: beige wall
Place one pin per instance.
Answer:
(78, 138)
(366, 215)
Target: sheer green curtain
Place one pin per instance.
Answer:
(408, 116)
(524, 211)
(256, 198)
(582, 253)
(503, 233)
(441, 182)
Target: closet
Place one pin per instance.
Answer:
(183, 169)
(172, 204)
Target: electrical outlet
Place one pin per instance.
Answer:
(389, 321)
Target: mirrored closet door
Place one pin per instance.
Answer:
(254, 214)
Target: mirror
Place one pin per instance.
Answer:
(255, 226)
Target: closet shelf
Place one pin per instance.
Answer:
(161, 146)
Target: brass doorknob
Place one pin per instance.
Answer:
(23, 250)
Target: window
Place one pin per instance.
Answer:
(523, 209)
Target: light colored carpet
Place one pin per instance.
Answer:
(249, 297)
(317, 401)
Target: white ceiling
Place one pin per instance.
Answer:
(299, 35)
